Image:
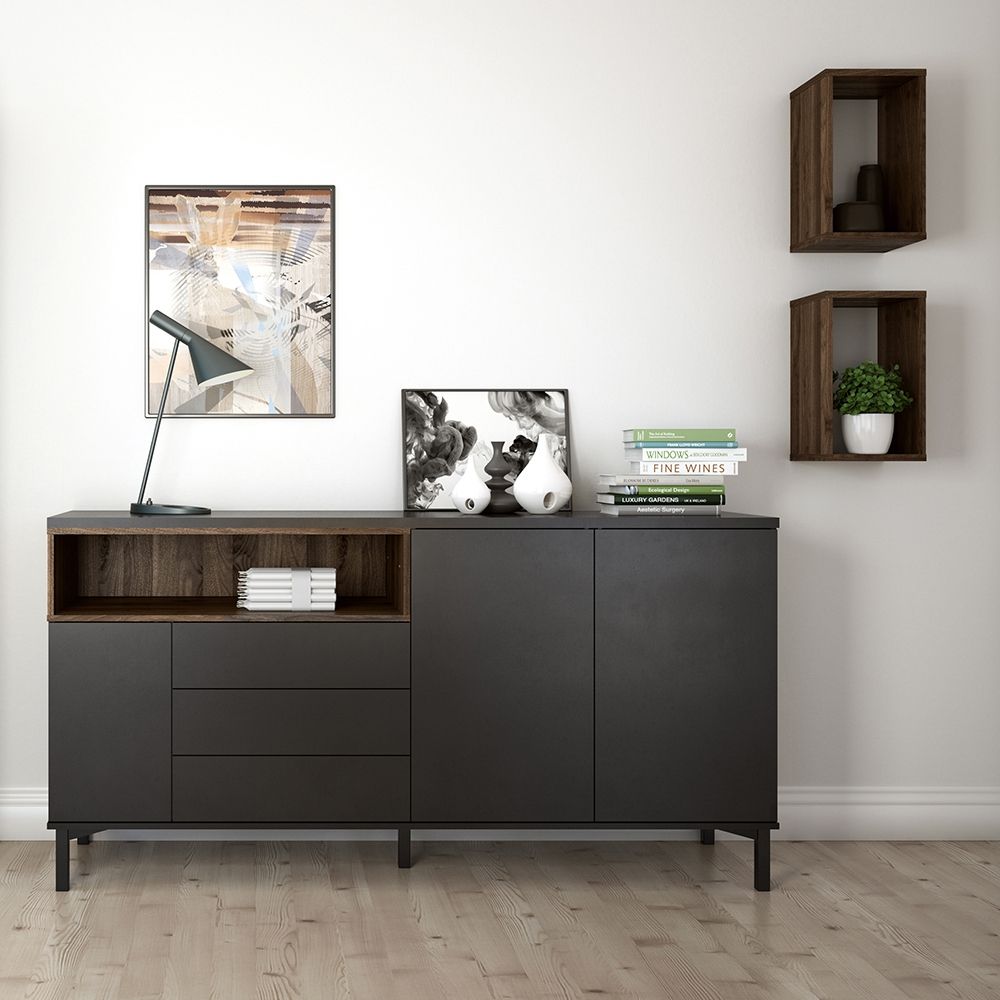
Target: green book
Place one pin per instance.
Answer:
(680, 434)
(659, 491)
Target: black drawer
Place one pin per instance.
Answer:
(291, 722)
(292, 655)
(291, 790)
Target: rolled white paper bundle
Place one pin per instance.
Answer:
(279, 595)
(248, 578)
(284, 605)
(274, 588)
(287, 589)
(263, 572)
(270, 606)
(284, 595)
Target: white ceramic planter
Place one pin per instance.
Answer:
(543, 487)
(868, 433)
(470, 495)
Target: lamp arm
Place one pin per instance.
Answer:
(159, 417)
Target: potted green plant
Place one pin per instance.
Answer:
(869, 397)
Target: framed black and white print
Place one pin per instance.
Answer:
(445, 429)
(251, 269)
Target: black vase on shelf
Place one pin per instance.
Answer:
(867, 214)
(871, 183)
(501, 501)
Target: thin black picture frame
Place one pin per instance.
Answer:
(151, 415)
(402, 448)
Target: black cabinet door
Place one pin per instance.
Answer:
(502, 675)
(686, 683)
(109, 722)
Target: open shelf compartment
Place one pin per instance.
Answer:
(159, 575)
(901, 340)
(901, 96)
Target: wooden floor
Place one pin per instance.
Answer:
(474, 921)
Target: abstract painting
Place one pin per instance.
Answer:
(251, 270)
(445, 429)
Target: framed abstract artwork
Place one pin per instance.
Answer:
(445, 429)
(251, 269)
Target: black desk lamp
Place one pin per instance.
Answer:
(212, 366)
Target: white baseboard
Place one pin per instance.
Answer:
(889, 813)
(820, 812)
(24, 813)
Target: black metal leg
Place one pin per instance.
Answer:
(403, 848)
(83, 839)
(62, 860)
(708, 836)
(762, 860)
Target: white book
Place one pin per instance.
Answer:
(671, 453)
(637, 480)
(686, 468)
(686, 510)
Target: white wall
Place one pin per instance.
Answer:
(583, 194)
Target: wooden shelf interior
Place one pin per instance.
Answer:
(901, 340)
(162, 576)
(901, 97)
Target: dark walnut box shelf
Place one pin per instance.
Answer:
(901, 340)
(159, 574)
(901, 96)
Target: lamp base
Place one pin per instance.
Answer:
(167, 508)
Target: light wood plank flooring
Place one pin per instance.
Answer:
(484, 921)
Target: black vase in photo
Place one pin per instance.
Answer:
(501, 501)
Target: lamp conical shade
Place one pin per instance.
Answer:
(212, 365)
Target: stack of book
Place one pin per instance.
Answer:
(298, 589)
(672, 470)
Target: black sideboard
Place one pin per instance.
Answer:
(569, 671)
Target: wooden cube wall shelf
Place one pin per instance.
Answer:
(901, 341)
(901, 154)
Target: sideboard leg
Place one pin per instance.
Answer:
(62, 860)
(762, 859)
(708, 836)
(403, 859)
(83, 839)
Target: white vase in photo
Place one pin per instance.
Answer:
(542, 487)
(868, 433)
(470, 495)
